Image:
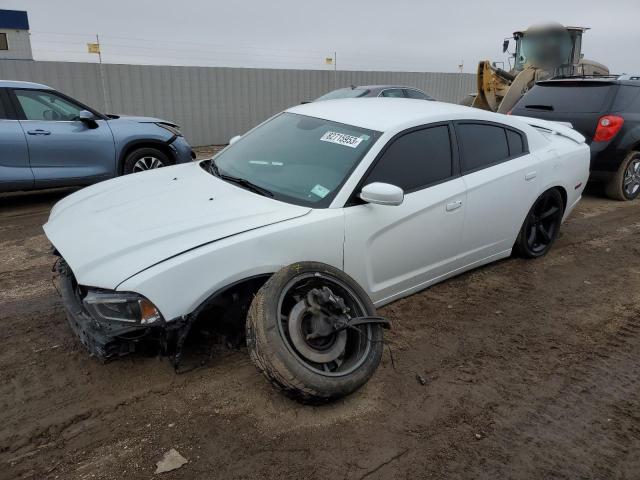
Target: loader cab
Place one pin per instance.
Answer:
(548, 48)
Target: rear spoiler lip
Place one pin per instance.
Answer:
(564, 129)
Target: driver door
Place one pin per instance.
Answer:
(62, 149)
(395, 250)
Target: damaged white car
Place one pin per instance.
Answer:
(307, 223)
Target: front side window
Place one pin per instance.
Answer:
(45, 105)
(393, 92)
(482, 145)
(299, 159)
(415, 160)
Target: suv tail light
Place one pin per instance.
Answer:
(608, 127)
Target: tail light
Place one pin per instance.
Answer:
(608, 127)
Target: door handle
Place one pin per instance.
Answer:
(39, 131)
(454, 206)
(530, 176)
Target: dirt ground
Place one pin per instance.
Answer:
(521, 369)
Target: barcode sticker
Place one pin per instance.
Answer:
(341, 139)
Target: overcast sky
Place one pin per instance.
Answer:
(372, 35)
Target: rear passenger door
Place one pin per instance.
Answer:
(501, 179)
(15, 171)
(393, 250)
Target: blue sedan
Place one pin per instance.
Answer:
(48, 139)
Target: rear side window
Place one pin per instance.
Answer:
(482, 145)
(3, 98)
(393, 92)
(516, 143)
(416, 94)
(415, 160)
(568, 97)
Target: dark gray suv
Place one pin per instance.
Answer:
(606, 110)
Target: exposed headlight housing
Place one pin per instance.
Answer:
(174, 129)
(124, 307)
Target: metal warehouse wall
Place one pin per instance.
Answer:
(212, 104)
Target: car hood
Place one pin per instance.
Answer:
(112, 230)
(133, 118)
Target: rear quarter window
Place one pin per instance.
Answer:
(568, 97)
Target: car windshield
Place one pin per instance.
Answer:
(295, 158)
(343, 93)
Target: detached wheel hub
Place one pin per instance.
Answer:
(314, 326)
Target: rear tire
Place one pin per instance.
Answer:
(142, 159)
(541, 226)
(279, 354)
(625, 184)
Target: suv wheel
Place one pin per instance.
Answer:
(625, 185)
(143, 159)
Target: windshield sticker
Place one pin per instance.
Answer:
(262, 162)
(341, 139)
(320, 191)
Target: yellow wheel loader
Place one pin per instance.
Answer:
(540, 53)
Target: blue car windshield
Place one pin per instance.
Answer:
(295, 158)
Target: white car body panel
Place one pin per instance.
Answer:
(189, 247)
(393, 249)
(134, 224)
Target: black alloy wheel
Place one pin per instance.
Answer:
(542, 225)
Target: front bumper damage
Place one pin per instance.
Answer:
(111, 339)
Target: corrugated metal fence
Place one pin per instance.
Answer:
(212, 104)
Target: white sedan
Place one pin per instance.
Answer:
(307, 223)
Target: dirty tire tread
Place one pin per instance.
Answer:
(275, 368)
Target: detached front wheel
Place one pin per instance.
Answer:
(312, 331)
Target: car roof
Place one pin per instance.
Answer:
(595, 79)
(20, 84)
(382, 87)
(384, 114)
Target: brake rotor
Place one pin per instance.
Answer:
(326, 350)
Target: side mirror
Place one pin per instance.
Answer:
(86, 116)
(382, 194)
(234, 139)
(505, 45)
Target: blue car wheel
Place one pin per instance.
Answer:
(145, 159)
